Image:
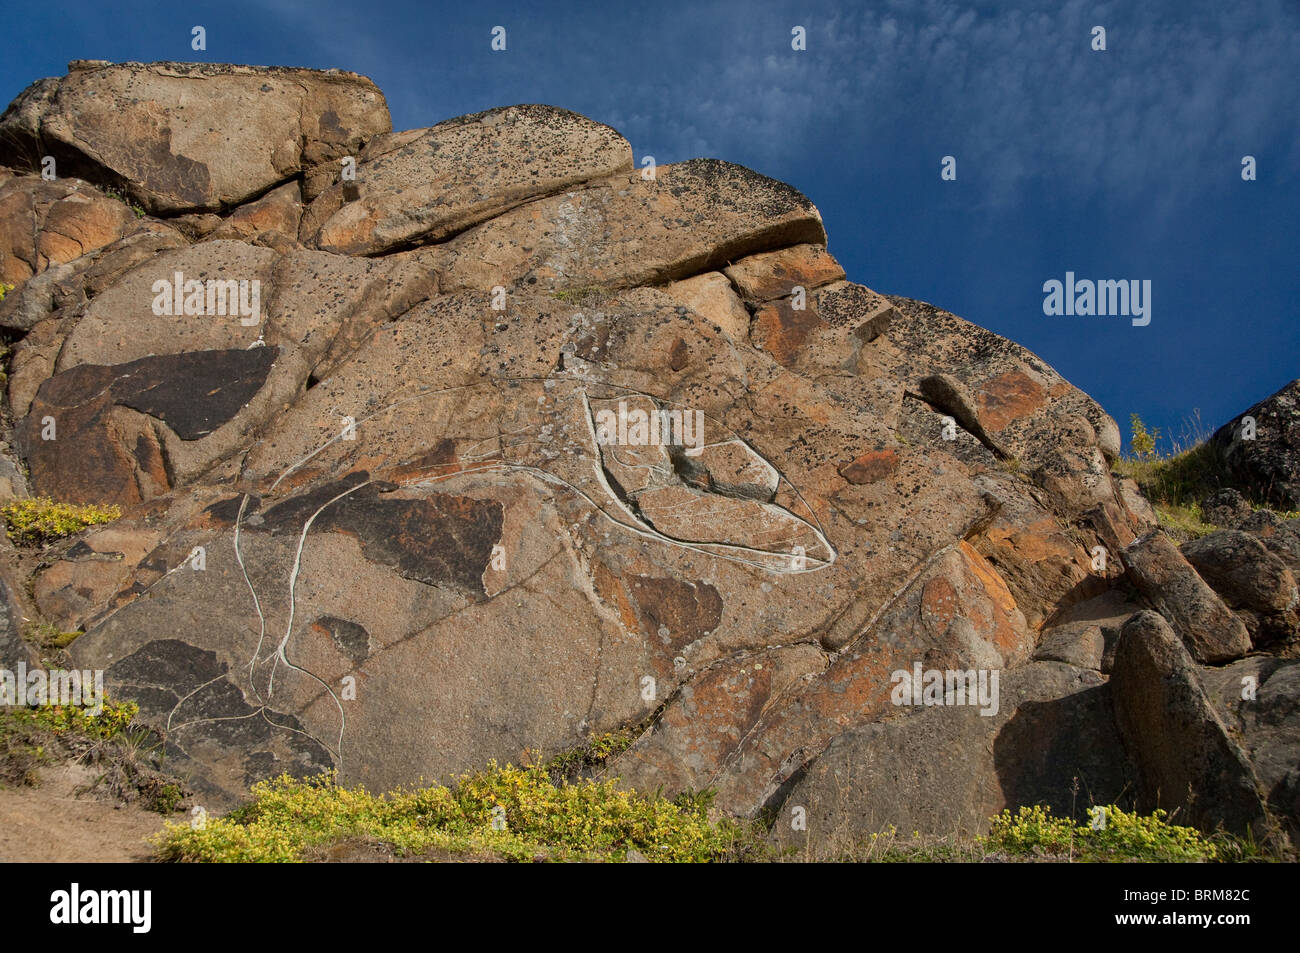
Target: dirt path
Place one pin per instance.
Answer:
(49, 823)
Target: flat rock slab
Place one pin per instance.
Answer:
(623, 230)
(777, 274)
(182, 137)
(425, 185)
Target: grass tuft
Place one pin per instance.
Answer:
(588, 296)
(1177, 481)
(47, 636)
(127, 758)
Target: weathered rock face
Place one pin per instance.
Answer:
(1256, 698)
(51, 223)
(624, 230)
(1212, 632)
(1250, 579)
(1266, 457)
(428, 184)
(1188, 760)
(499, 444)
(179, 137)
(14, 651)
(931, 768)
(1280, 536)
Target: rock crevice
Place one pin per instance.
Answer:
(433, 466)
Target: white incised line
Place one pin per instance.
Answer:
(635, 526)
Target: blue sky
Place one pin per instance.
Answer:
(1117, 164)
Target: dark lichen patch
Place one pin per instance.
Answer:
(920, 324)
(594, 345)
(441, 458)
(677, 612)
(441, 539)
(290, 515)
(554, 117)
(165, 171)
(171, 664)
(329, 122)
(192, 393)
(101, 456)
(225, 512)
(718, 177)
(351, 638)
(195, 392)
(870, 467)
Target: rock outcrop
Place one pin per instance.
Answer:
(186, 137)
(1262, 447)
(484, 443)
(1187, 758)
(1168, 581)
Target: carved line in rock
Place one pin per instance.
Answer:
(724, 550)
(721, 549)
(638, 525)
(280, 653)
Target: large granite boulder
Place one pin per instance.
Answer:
(1188, 761)
(1262, 448)
(179, 137)
(499, 444)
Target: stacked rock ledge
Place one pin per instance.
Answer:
(392, 460)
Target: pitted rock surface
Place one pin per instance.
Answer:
(524, 446)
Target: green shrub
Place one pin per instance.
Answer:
(1143, 441)
(513, 813)
(583, 761)
(121, 197)
(1033, 831)
(59, 719)
(40, 520)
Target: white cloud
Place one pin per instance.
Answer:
(1012, 89)
(1018, 92)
